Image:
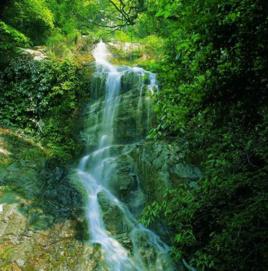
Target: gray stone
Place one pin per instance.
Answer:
(20, 262)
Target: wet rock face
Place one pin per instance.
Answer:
(142, 169)
(131, 81)
(23, 248)
(41, 221)
(160, 165)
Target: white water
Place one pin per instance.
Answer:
(95, 171)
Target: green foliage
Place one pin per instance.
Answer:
(214, 95)
(58, 25)
(31, 17)
(10, 39)
(38, 96)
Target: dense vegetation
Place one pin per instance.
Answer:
(38, 95)
(214, 96)
(46, 93)
(211, 57)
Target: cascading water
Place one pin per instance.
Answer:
(145, 251)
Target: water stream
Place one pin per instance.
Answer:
(143, 250)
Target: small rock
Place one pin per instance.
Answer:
(37, 55)
(20, 262)
(14, 240)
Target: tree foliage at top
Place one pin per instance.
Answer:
(31, 17)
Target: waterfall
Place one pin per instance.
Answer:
(145, 252)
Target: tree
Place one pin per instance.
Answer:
(116, 14)
(31, 17)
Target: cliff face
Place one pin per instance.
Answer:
(40, 210)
